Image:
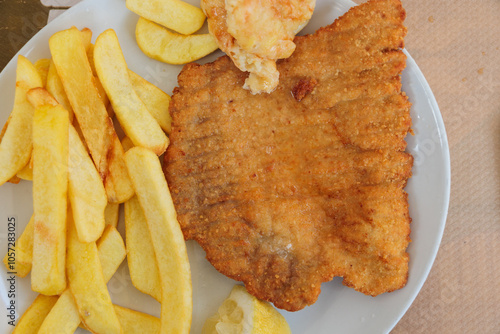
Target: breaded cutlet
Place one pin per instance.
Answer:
(285, 191)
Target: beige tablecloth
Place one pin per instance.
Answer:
(456, 44)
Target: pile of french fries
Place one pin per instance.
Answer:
(165, 31)
(61, 136)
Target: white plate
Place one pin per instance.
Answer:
(338, 309)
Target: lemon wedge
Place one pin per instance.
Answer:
(242, 313)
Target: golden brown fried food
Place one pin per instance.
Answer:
(286, 190)
(255, 33)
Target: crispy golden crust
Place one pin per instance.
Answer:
(255, 33)
(285, 194)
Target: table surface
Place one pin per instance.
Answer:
(456, 44)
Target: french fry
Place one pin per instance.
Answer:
(88, 285)
(127, 143)
(112, 214)
(134, 322)
(15, 179)
(118, 182)
(64, 317)
(80, 134)
(156, 100)
(135, 119)
(33, 317)
(111, 250)
(85, 191)
(26, 173)
(166, 46)
(174, 14)
(42, 66)
(104, 97)
(90, 57)
(140, 252)
(54, 84)
(109, 108)
(50, 185)
(70, 59)
(19, 259)
(86, 38)
(4, 129)
(39, 97)
(168, 242)
(55, 87)
(98, 84)
(16, 144)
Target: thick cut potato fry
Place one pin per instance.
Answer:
(156, 100)
(134, 322)
(85, 191)
(27, 73)
(117, 184)
(26, 173)
(168, 242)
(111, 250)
(88, 285)
(109, 108)
(86, 38)
(50, 191)
(104, 97)
(64, 317)
(55, 87)
(15, 179)
(140, 252)
(16, 144)
(174, 14)
(42, 66)
(70, 59)
(90, 56)
(39, 97)
(98, 84)
(127, 143)
(34, 316)
(135, 119)
(161, 44)
(80, 134)
(112, 214)
(4, 129)
(22, 254)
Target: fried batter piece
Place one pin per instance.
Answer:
(256, 33)
(286, 190)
